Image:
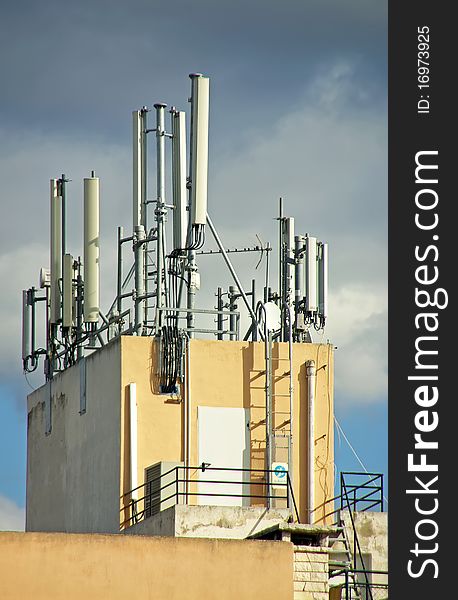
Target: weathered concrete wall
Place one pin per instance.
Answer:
(230, 374)
(71, 567)
(73, 472)
(311, 573)
(372, 532)
(223, 522)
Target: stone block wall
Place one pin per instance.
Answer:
(311, 580)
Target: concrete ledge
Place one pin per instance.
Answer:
(300, 534)
(223, 522)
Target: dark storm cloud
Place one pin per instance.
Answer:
(82, 65)
(298, 109)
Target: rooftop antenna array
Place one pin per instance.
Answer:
(157, 295)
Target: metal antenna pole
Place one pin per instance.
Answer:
(219, 318)
(63, 195)
(192, 289)
(140, 300)
(144, 201)
(232, 308)
(79, 312)
(267, 266)
(119, 279)
(254, 329)
(160, 209)
(234, 274)
(280, 249)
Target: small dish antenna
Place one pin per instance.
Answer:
(272, 315)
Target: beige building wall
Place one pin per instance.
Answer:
(77, 473)
(73, 472)
(71, 567)
(230, 374)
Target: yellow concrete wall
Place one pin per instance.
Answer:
(71, 567)
(73, 472)
(229, 374)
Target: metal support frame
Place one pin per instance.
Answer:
(139, 297)
(234, 274)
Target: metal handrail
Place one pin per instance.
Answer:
(353, 488)
(355, 538)
(368, 586)
(137, 516)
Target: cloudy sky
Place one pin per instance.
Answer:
(298, 110)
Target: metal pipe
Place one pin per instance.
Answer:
(139, 252)
(269, 424)
(267, 265)
(291, 400)
(79, 312)
(287, 290)
(119, 278)
(234, 274)
(33, 306)
(188, 411)
(179, 178)
(219, 317)
(192, 288)
(311, 381)
(254, 329)
(232, 307)
(160, 206)
(280, 248)
(67, 293)
(63, 194)
(133, 440)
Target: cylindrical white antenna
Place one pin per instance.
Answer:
(26, 322)
(199, 147)
(138, 175)
(56, 252)
(179, 178)
(91, 249)
(323, 282)
(311, 304)
(67, 291)
(299, 268)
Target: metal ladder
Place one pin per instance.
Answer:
(279, 423)
(342, 538)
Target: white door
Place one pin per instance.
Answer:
(224, 442)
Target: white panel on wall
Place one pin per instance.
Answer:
(224, 441)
